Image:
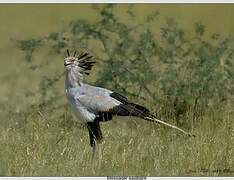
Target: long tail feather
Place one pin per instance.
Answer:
(144, 113)
(169, 125)
(132, 109)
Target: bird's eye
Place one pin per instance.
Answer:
(72, 60)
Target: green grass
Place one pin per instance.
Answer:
(29, 147)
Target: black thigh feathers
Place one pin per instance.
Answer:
(95, 133)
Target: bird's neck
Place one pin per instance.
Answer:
(73, 78)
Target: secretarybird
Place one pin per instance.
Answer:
(92, 105)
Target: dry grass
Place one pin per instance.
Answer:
(131, 147)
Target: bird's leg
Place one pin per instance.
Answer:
(94, 150)
(95, 134)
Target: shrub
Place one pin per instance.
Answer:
(175, 72)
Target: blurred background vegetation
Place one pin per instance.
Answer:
(176, 59)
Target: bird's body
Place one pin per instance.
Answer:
(88, 101)
(92, 105)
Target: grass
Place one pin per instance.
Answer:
(29, 146)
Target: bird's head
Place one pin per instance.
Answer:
(83, 62)
(70, 60)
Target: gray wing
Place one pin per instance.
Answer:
(98, 103)
(96, 99)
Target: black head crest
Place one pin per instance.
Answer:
(85, 61)
(74, 55)
(68, 53)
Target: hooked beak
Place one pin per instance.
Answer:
(66, 64)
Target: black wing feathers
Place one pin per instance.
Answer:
(124, 109)
(131, 109)
(119, 97)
